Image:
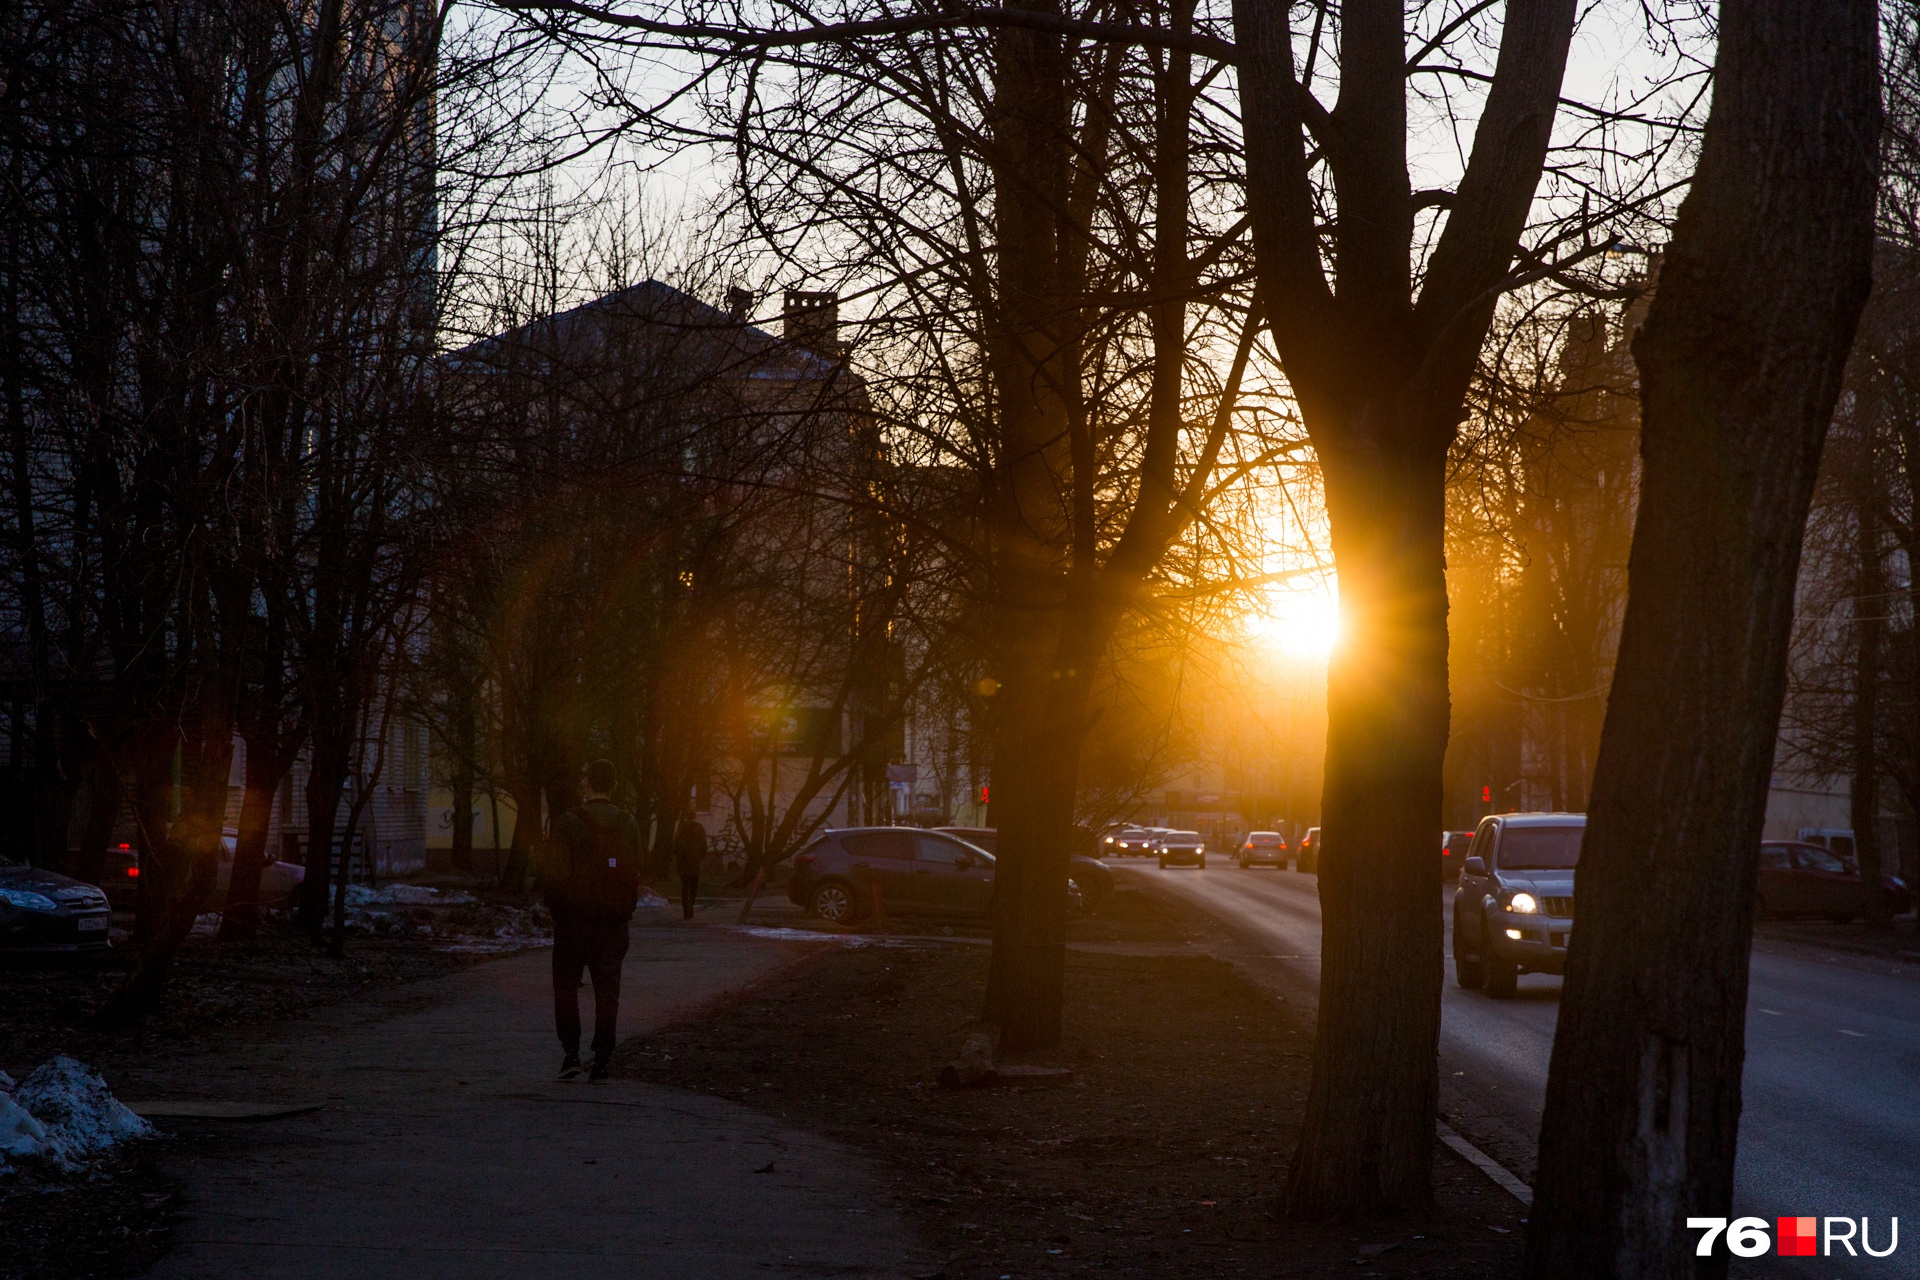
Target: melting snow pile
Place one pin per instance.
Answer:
(404, 895)
(457, 921)
(62, 1114)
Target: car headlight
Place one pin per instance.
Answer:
(1523, 903)
(27, 900)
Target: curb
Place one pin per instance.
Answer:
(1484, 1163)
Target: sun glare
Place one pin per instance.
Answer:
(1299, 621)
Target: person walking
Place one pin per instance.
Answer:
(592, 884)
(689, 847)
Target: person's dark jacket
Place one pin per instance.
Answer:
(689, 847)
(574, 886)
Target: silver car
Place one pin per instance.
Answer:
(1513, 911)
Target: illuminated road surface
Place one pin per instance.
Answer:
(1831, 1124)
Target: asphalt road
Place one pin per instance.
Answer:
(1831, 1124)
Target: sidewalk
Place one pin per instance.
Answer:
(445, 1148)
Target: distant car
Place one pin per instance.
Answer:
(1307, 856)
(1513, 911)
(1181, 848)
(43, 911)
(1799, 879)
(1453, 852)
(1089, 883)
(278, 880)
(1128, 842)
(1263, 849)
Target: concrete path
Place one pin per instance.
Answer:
(447, 1149)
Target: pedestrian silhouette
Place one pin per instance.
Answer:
(592, 883)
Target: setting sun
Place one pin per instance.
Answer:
(1299, 621)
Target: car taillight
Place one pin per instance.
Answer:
(133, 873)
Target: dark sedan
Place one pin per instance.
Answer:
(42, 911)
(1806, 880)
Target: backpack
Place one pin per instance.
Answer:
(603, 874)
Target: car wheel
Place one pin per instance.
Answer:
(833, 902)
(1501, 977)
(1163, 864)
(1467, 970)
(1203, 864)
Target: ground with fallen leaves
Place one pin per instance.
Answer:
(1163, 1157)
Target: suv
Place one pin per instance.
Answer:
(845, 875)
(1181, 848)
(1263, 848)
(1307, 857)
(1513, 911)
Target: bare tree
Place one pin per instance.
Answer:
(1741, 360)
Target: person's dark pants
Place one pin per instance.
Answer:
(597, 947)
(689, 890)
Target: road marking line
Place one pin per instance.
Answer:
(1843, 1031)
(1773, 1013)
(1485, 1163)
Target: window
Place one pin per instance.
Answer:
(879, 844)
(1775, 857)
(1540, 848)
(1812, 859)
(936, 849)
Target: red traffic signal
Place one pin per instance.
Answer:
(983, 793)
(1486, 795)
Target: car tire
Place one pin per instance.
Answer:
(834, 902)
(1501, 978)
(1203, 864)
(1163, 864)
(1468, 973)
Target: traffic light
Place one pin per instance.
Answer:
(983, 793)
(1486, 795)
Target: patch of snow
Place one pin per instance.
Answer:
(648, 898)
(7, 1083)
(404, 895)
(77, 1115)
(206, 924)
(20, 1134)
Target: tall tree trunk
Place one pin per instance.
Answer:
(1367, 1145)
(268, 760)
(1741, 359)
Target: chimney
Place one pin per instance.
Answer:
(813, 320)
(739, 304)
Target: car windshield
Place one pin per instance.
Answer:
(1540, 848)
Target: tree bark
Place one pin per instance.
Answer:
(1367, 1144)
(268, 760)
(1741, 359)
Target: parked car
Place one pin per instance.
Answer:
(1263, 849)
(278, 880)
(1128, 842)
(43, 911)
(1181, 848)
(1513, 911)
(1799, 879)
(846, 875)
(1307, 856)
(1453, 852)
(1089, 883)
